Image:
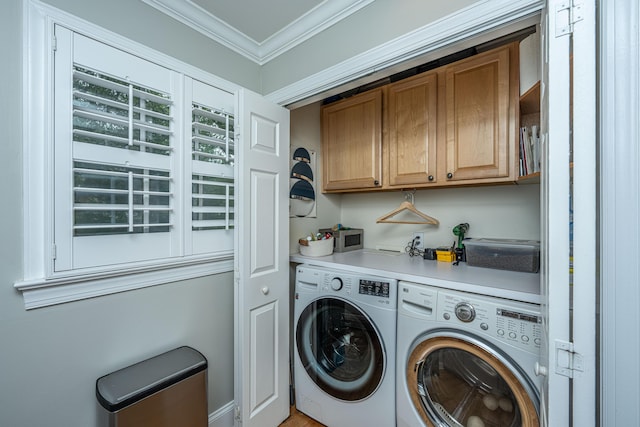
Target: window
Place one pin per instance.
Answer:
(125, 147)
(129, 181)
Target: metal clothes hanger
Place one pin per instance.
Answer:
(407, 206)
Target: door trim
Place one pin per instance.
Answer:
(619, 198)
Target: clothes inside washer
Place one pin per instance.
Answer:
(339, 349)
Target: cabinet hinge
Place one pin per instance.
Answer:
(567, 360)
(53, 252)
(54, 43)
(237, 413)
(567, 14)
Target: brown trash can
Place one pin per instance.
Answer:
(167, 390)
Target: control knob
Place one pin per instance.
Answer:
(465, 312)
(336, 283)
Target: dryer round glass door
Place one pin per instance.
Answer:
(461, 381)
(340, 349)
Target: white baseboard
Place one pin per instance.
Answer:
(223, 417)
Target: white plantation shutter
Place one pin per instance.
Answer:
(117, 124)
(139, 175)
(116, 200)
(212, 135)
(212, 154)
(120, 114)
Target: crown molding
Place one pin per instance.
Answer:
(471, 22)
(308, 25)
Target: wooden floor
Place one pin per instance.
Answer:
(298, 419)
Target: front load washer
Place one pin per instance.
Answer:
(466, 360)
(344, 358)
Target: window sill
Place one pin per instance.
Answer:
(46, 292)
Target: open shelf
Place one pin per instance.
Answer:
(530, 100)
(530, 116)
(532, 178)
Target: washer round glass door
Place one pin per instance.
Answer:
(340, 349)
(459, 380)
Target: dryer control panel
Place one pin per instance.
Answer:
(518, 324)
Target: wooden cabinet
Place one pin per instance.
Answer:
(455, 125)
(411, 122)
(352, 143)
(480, 96)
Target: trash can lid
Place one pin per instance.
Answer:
(133, 383)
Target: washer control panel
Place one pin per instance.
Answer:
(517, 323)
(378, 288)
(373, 290)
(331, 282)
(336, 283)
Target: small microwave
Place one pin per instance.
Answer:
(346, 240)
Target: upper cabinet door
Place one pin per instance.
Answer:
(481, 94)
(412, 130)
(352, 142)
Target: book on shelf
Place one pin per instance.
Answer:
(530, 151)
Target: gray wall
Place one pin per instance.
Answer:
(377, 23)
(50, 358)
(137, 21)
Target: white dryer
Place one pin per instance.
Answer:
(466, 360)
(344, 358)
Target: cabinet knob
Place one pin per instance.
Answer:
(376, 182)
(449, 175)
(265, 290)
(430, 177)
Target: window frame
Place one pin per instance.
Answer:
(41, 286)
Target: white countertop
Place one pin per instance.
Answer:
(486, 281)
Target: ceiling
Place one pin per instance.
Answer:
(259, 29)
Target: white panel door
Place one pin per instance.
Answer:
(262, 263)
(568, 195)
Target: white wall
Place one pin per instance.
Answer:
(504, 211)
(509, 211)
(305, 132)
